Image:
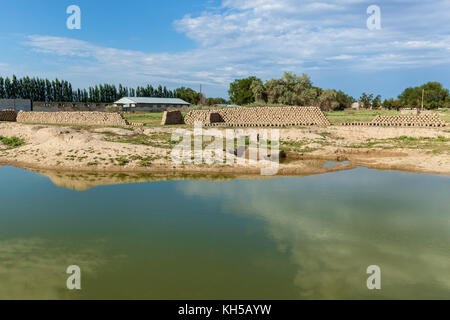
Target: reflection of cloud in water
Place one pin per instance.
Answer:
(336, 226)
(36, 268)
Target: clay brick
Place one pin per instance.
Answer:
(74, 118)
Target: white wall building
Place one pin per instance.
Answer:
(150, 104)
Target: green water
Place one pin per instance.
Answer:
(284, 238)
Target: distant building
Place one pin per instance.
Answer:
(150, 104)
(356, 105)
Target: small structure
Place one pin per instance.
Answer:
(150, 104)
(356, 105)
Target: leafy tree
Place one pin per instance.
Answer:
(8, 89)
(411, 97)
(376, 103)
(391, 104)
(343, 100)
(259, 91)
(291, 90)
(215, 101)
(2, 88)
(241, 91)
(327, 100)
(434, 94)
(188, 95)
(366, 100)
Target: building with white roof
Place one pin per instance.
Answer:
(150, 104)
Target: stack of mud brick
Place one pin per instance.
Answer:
(259, 117)
(203, 116)
(172, 117)
(8, 115)
(423, 120)
(73, 118)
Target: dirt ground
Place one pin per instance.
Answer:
(90, 149)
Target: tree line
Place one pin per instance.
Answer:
(296, 90)
(45, 90)
(289, 90)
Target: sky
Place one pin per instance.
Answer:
(212, 42)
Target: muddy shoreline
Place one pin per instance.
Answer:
(237, 171)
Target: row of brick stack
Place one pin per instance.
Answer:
(259, 116)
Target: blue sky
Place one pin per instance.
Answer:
(193, 42)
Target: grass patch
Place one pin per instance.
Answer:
(338, 117)
(143, 161)
(12, 142)
(437, 145)
(325, 134)
(122, 161)
(149, 119)
(108, 133)
(296, 146)
(158, 140)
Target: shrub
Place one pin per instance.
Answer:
(12, 142)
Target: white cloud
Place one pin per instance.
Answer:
(267, 37)
(342, 57)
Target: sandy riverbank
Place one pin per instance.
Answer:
(91, 149)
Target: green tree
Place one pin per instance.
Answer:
(8, 88)
(15, 87)
(366, 100)
(188, 95)
(376, 103)
(258, 90)
(327, 100)
(434, 96)
(391, 104)
(215, 101)
(291, 90)
(2, 88)
(240, 91)
(343, 100)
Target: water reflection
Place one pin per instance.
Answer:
(34, 268)
(84, 181)
(293, 238)
(335, 226)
